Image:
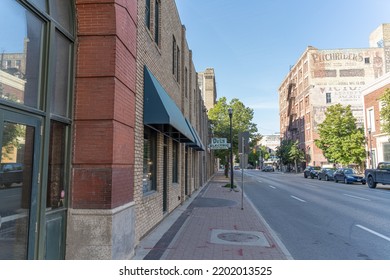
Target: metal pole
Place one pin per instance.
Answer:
(242, 173)
(231, 149)
(370, 153)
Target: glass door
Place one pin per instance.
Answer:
(20, 140)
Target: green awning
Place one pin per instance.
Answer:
(162, 113)
(197, 145)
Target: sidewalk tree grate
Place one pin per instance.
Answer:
(235, 237)
(238, 237)
(212, 202)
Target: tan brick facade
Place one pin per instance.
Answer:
(179, 80)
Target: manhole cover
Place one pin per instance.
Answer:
(238, 237)
(235, 237)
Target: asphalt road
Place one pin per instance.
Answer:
(318, 220)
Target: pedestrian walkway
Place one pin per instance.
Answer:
(214, 224)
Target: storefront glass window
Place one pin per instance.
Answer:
(149, 166)
(20, 58)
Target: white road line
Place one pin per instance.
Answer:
(259, 181)
(357, 197)
(297, 198)
(374, 232)
(272, 187)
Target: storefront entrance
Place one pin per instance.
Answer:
(19, 176)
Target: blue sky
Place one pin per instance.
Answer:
(251, 44)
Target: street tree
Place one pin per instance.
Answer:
(296, 154)
(283, 151)
(340, 140)
(241, 121)
(385, 111)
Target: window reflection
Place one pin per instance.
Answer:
(15, 195)
(20, 58)
(55, 185)
(149, 166)
(59, 102)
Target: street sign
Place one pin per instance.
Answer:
(219, 144)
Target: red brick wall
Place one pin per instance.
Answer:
(103, 148)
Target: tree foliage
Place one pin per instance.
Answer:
(295, 154)
(289, 153)
(241, 121)
(385, 111)
(339, 138)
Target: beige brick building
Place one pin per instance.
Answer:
(171, 130)
(207, 85)
(321, 78)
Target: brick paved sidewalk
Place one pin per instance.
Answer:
(218, 224)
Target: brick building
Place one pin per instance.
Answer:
(208, 87)
(378, 143)
(165, 68)
(104, 114)
(321, 78)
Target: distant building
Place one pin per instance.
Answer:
(322, 78)
(270, 141)
(208, 88)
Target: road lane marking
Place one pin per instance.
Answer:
(374, 232)
(259, 181)
(357, 197)
(297, 198)
(272, 187)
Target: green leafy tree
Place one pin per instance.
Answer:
(339, 138)
(385, 112)
(241, 121)
(283, 151)
(295, 154)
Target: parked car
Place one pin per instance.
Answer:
(11, 173)
(326, 173)
(311, 171)
(380, 175)
(348, 176)
(268, 168)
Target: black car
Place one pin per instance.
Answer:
(311, 171)
(348, 176)
(11, 173)
(326, 173)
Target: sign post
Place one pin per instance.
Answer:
(243, 147)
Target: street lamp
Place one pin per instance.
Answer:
(370, 152)
(230, 111)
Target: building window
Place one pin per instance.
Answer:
(178, 65)
(150, 158)
(186, 82)
(174, 65)
(157, 21)
(367, 60)
(328, 98)
(386, 151)
(175, 162)
(147, 14)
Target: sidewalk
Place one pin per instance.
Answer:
(213, 224)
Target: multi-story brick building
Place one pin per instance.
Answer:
(378, 143)
(321, 78)
(104, 113)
